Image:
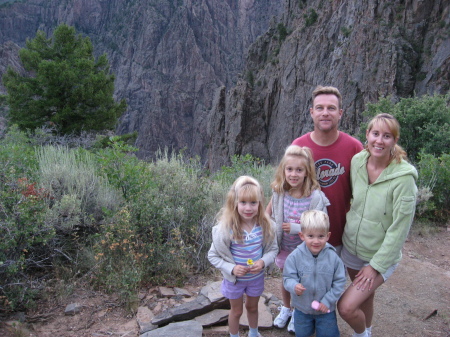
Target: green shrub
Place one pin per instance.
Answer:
(123, 169)
(80, 195)
(245, 165)
(17, 155)
(282, 32)
(310, 17)
(250, 78)
(120, 257)
(301, 4)
(103, 142)
(26, 243)
(169, 216)
(434, 180)
(24, 236)
(346, 31)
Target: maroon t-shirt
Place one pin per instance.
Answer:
(333, 172)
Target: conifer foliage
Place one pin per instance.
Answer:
(65, 86)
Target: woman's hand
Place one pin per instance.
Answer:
(365, 277)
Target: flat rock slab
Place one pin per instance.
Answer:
(144, 319)
(209, 299)
(182, 292)
(179, 329)
(215, 331)
(213, 292)
(185, 311)
(214, 317)
(166, 292)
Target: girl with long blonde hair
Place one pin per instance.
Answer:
(295, 190)
(243, 245)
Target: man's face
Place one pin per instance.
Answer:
(325, 112)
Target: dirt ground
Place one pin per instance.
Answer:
(415, 302)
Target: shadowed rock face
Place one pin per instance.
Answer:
(168, 55)
(365, 48)
(191, 82)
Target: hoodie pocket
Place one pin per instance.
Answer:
(407, 205)
(370, 236)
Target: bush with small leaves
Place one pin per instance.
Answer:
(120, 257)
(78, 190)
(26, 240)
(434, 182)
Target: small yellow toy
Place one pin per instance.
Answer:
(250, 262)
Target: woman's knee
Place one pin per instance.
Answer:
(345, 309)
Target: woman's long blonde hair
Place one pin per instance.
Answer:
(393, 125)
(280, 185)
(244, 188)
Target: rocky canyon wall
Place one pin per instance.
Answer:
(365, 48)
(168, 55)
(220, 78)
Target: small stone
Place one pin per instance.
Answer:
(182, 292)
(165, 292)
(72, 309)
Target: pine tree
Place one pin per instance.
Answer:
(65, 86)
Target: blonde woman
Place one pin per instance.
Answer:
(381, 213)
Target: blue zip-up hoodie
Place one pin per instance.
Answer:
(381, 213)
(322, 276)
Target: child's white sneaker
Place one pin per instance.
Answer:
(291, 326)
(282, 318)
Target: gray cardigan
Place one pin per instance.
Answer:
(220, 255)
(318, 201)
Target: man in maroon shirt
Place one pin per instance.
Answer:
(333, 151)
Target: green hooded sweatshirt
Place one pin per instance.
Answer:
(381, 213)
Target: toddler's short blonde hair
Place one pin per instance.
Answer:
(315, 220)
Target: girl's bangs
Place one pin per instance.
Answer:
(248, 192)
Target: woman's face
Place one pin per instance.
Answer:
(380, 141)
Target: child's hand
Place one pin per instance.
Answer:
(239, 270)
(299, 289)
(256, 267)
(286, 226)
(316, 305)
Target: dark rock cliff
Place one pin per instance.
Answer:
(365, 48)
(168, 55)
(191, 82)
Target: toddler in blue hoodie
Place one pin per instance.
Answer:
(314, 272)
